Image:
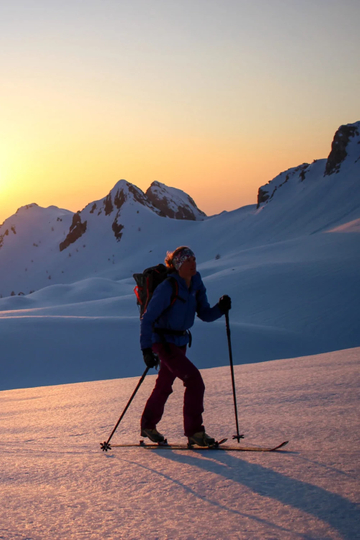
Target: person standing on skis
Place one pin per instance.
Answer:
(164, 336)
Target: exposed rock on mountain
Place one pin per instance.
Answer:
(77, 229)
(173, 203)
(345, 151)
(111, 206)
(117, 228)
(159, 199)
(267, 192)
(339, 147)
(122, 192)
(2, 237)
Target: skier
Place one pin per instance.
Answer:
(164, 336)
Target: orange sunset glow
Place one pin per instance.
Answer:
(214, 98)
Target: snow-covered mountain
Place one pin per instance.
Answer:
(122, 207)
(29, 241)
(39, 245)
(291, 267)
(315, 197)
(173, 202)
(344, 155)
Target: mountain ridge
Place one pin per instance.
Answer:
(43, 246)
(344, 151)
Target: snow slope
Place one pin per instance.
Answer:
(56, 483)
(291, 267)
(127, 229)
(290, 299)
(42, 246)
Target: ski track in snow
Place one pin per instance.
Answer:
(56, 482)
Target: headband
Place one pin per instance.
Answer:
(181, 257)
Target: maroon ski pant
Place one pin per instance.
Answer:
(174, 363)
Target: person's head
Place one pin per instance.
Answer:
(182, 260)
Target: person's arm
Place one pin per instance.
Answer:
(203, 309)
(160, 300)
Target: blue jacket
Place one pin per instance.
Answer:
(180, 315)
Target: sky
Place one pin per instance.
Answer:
(214, 97)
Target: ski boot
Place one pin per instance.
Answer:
(153, 435)
(201, 439)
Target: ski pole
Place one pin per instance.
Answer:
(237, 436)
(105, 446)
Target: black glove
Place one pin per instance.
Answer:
(150, 359)
(225, 303)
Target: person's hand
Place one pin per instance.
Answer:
(225, 303)
(150, 359)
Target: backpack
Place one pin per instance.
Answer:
(147, 282)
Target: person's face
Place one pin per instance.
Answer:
(188, 268)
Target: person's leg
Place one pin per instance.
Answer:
(175, 360)
(154, 407)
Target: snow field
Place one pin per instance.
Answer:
(290, 299)
(57, 483)
(291, 268)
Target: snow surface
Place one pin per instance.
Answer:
(292, 298)
(291, 267)
(56, 482)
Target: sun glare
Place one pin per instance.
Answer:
(4, 179)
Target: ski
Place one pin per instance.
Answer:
(218, 446)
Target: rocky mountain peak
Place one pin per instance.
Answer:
(173, 203)
(267, 192)
(345, 135)
(344, 155)
(159, 199)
